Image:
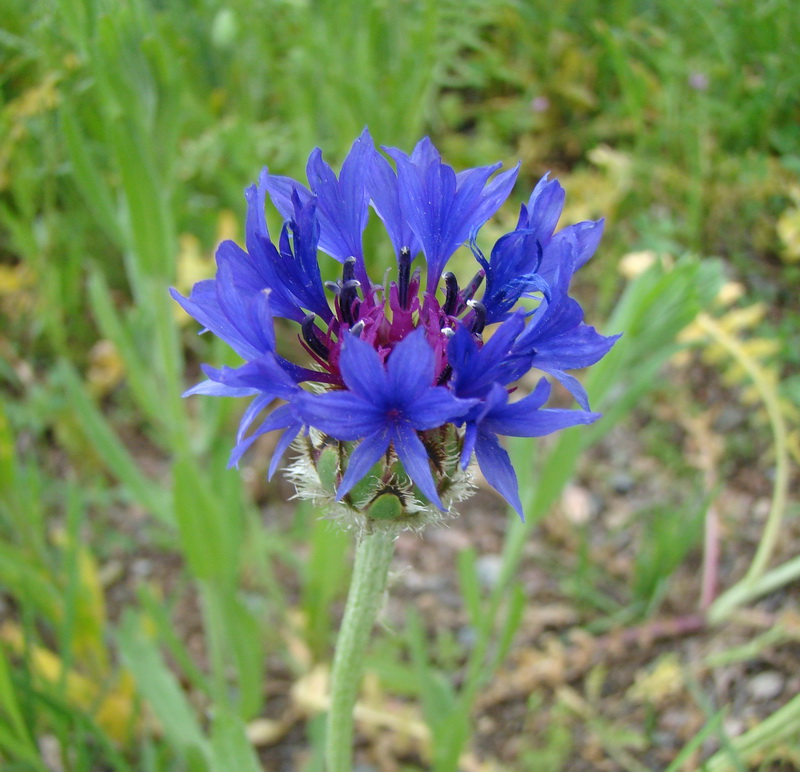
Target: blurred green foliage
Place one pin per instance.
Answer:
(128, 131)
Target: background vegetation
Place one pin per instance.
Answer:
(158, 612)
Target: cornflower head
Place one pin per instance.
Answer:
(405, 380)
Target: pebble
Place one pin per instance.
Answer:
(466, 636)
(766, 686)
(577, 504)
(622, 483)
(733, 726)
(488, 569)
(142, 567)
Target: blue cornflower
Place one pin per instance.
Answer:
(384, 406)
(399, 376)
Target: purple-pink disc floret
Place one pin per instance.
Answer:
(386, 364)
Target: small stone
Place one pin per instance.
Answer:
(466, 636)
(729, 418)
(488, 568)
(622, 483)
(142, 567)
(577, 505)
(733, 726)
(766, 686)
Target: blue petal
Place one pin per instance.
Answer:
(502, 341)
(280, 418)
(571, 246)
(426, 196)
(203, 305)
(470, 437)
(383, 189)
(435, 407)
(282, 190)
(511, 271)
(544, 207)
(578, 348)
(463, 357)
(569, 382)
(497, 469)
(211, 388)
(287, 438)
(234, 304)
(298, 270)
(491, 198)
(253, 409)
(362, 459)
(260, 317)
(362, 371)
(474, 370)
(340, 414)
(343, 203)
(415, 460)
(252, 274)
(265, 374)
(410, 368)
(587, 235)
(525, 419)
(424, 153)
(256, 231)
(443, 209)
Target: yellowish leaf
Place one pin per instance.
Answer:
(659, 683)
(106, 368)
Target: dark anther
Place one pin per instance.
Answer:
(404, 276)
(448, 332)
(472, 287)
(451, 294)
(333, 287)
(444, 376)
(348, 300)
(357, 328)
(349, 270)
(479, 322)
(311, 336)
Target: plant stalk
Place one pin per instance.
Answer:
(373, 556)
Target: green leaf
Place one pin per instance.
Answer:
(138, 373)
(470, 589)
(209, 535)
(158, 686)
(231, 751)
(111, 449)
(95, 190)
(14, 736)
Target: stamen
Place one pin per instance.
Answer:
(311, 336)
(349, 270)
(348, 300)
(448, 332)
(479, 322)
(444, 376)
(333, 286)
(451, 294)
(472, 287)
(357, 328)
(404, 276)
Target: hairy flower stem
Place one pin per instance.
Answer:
(373, 556)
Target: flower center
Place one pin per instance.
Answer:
(385, 315)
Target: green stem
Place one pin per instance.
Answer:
(780, 487)
(744, 592)
(373, 556)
